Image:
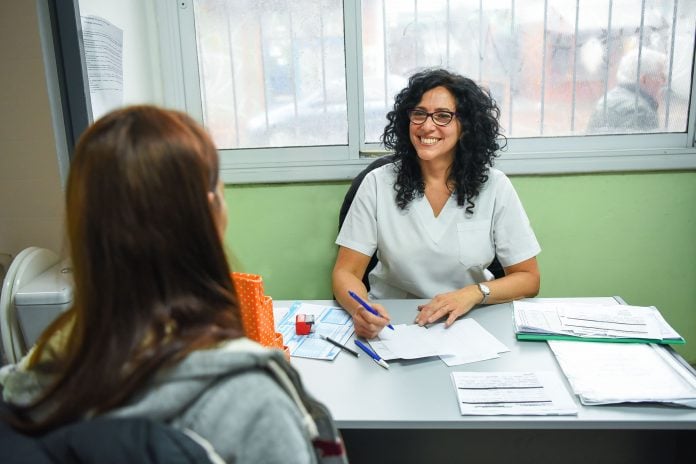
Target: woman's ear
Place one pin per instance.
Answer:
(218, 206)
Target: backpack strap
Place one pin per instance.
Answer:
(327, 441)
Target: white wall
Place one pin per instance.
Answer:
(31, 197)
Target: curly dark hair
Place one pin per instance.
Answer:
(478, 143)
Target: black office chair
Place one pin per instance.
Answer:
(348, 200)
(495, 267)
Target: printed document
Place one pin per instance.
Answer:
(591, 321)
(463, 342)
(512, 393)
(330, 321)
(103, 47)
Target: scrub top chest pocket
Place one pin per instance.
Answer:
(475, 243)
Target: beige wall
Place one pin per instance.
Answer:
(31, 207)
(31, 196)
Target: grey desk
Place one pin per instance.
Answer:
(409, 413)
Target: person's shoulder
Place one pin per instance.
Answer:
(380, 179)
(498, 184)
(247, 363)
(383, 173)
(229, 359)
(495, 174)
(254, 388)
(251, 390)
(496, 177)
(238, 410)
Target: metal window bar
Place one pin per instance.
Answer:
(668, 92)
(575, 65)
(640, 55)
(263, 72)
(543, 68)
(202, 72)
(230, 43)
(386, 54)
(480, 57)
(606, 68)
(293, 56)
(322, 39)
(417, 32)
(512, 72)
(447, 37)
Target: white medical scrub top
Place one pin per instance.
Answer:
(421, 255)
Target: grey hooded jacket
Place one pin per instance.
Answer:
(244, 399)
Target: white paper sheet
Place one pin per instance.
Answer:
(103, 45)
(463, 342)
(606, 373)
(512, 393)
(591, 320)
(468, 342)
(411, 342)
(610, 321)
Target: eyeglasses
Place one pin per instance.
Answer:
(440, 118)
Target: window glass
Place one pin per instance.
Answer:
(555, 67)
(272, 72)
(298, 90)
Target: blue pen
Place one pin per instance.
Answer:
(372, 354)
(367, 307)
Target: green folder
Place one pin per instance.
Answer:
(544, 337)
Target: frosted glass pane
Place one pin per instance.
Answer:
(272, 72)
(549, 65)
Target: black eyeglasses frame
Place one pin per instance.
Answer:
(452, 115)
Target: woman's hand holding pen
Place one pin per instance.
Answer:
(368, 325)
(450, 305)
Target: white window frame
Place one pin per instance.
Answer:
(540, 155)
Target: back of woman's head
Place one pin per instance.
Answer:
(151, 279)
(140, 223)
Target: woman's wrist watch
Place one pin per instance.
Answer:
(485, 291)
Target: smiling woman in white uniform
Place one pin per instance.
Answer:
(439, 214)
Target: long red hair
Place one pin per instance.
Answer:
(152, 282)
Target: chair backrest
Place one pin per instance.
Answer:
(28, 264)
(495, 268)
(348, 200)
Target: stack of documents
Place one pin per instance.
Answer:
(591, 322)
(463, 342)
(606, 373)
(512, 393)
(331, 321)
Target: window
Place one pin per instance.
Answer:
(299, 89)
(272, 72)
(548, 64)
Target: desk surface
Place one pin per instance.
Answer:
(418, 394)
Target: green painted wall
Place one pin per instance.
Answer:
(632, 235)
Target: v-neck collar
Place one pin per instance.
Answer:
(435, 226)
